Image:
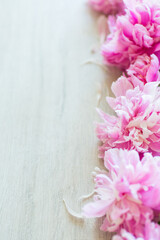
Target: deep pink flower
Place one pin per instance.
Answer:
(120, 193)
(135, 33)
(137, 124)
(107, 6)
(151, 231)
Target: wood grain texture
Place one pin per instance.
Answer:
(48, 148)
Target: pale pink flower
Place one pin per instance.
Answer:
(135, 33)
(107, 6)
(151, 231)
(119, 195)
(143, 70)
(137, 124)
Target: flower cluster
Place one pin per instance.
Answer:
(127, 195)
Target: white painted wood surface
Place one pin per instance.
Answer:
(48, 148)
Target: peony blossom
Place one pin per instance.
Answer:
(137, 124)
(124, 196)
(107, 6)
(151, 231)
(135, 33)
(145, 69)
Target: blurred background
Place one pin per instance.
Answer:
(48, 148)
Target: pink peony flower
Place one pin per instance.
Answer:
(145, 69)
(135, 33)
(150, 231)
(120, 193)
(107, 6)
(137, 124)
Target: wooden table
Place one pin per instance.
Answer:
(48, 97)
